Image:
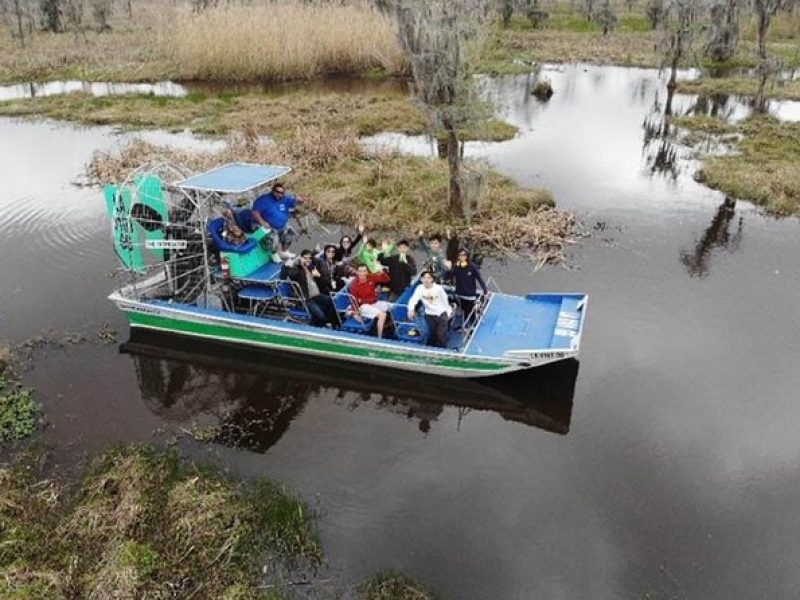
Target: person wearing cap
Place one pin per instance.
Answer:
(466, 277)
(437, 309)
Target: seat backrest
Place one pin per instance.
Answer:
(400, 306)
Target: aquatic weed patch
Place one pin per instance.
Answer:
(19, 413)
(393, 585)
(143, 523)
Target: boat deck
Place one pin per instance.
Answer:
(535, 322)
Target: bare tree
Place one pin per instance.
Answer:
(723, 29)
(52, 15)
(507, 11)
(654, 11)
(199, 6)
(101, 11)
(765, 10)
(678, 29)
(606, 17)
(18, 13)
(435, 35)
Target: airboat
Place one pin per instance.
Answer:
(183, 277)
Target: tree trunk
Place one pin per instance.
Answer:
(454, 166)
(508, 12)
(672, 84)
(18, 12)
(763, 27)
(759, 102)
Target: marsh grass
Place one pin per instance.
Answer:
(279, 41)
(740, 86)
(286, 40)
(275, 116)
(293, 40)
(270, 115)
(765, 167)
(392, 585)
(141, 523)
(704, 124)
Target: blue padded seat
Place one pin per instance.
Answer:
(258, 293)
(400, 316)
(215, 227)
(264, 274)
(352, 325)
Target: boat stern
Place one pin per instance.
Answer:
(532, 331)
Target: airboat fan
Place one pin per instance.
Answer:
(157, 229)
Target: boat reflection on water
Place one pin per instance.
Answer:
(252, 397)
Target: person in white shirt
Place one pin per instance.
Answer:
(437, 309)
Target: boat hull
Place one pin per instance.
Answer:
(315, 342)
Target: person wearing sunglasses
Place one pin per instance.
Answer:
(273, 210)
(347, 244)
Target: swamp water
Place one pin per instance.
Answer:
(665, 464)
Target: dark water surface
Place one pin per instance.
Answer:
(666, 463)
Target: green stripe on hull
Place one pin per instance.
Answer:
(226, 332)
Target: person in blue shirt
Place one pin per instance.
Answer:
(272, 211)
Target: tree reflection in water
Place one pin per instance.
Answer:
(252, 397)
(659, 140)
(716, 235)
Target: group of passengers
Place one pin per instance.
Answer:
(367, 266)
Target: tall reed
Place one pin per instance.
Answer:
(284, 41)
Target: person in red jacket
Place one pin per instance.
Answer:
(366, 296)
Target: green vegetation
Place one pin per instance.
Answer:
(19, 414)
(276, 116)
(704, 124)
(393, 586)
(765, 167)
(141, 523)
(739, 86)
(386, 192)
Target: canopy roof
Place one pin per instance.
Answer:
(234, 178)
